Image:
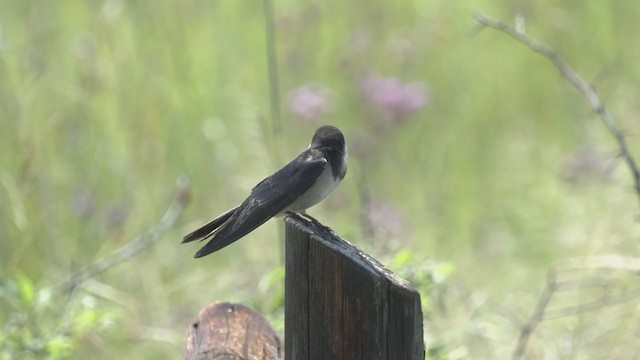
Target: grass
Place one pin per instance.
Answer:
(103, 105)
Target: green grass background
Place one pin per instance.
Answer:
(104, 104)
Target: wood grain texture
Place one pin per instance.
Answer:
(340, 303)
(227, 331)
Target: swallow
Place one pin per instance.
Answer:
(299, 185)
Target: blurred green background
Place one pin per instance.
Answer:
(474, 167)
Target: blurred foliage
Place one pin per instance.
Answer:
(43, 327)
(474, 166)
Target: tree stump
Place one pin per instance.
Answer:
(227, 331)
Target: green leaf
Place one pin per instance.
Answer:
(60, 347)
(441, 271)
(276, 276)
(403, 258)
(26, 289)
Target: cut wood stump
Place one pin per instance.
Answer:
(227, 331)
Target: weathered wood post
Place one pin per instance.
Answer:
(342, 304)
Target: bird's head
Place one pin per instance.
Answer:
(328, 138)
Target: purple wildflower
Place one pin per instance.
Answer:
(117, 215)
(396, 99)
(82, 204)
(310, 102)
(386, 219)
(587, 164)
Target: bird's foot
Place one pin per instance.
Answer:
(311, 219)
(315, 222)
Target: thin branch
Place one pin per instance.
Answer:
(537, 316)
(597, 105)
(135, 246)
(604, 263)
(590, 282)
(596, 304)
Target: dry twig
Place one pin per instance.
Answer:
(597, 105)
(537, 316)
(135, 246)
(604, 301)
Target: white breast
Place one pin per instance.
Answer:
(320, 190)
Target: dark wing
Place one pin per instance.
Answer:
(208, 229)
(267, 199)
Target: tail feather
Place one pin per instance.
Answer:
(219, 241)
(210, 228)
(233, 230)
(216, 243)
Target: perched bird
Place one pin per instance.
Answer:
(299, 185)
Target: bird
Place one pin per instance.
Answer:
(299, 185)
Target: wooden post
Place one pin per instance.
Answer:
(340, 303)
(227, 331)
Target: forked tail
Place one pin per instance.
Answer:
(210, 228)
